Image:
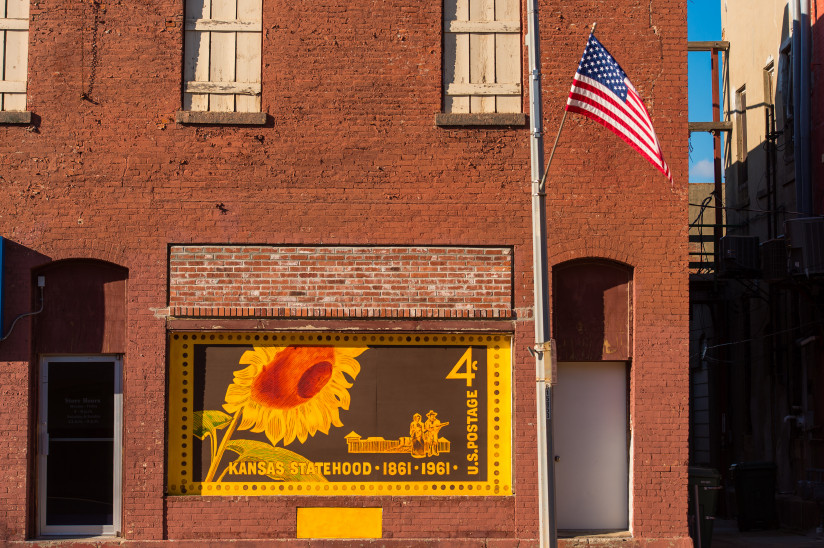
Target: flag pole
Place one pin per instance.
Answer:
(552, 153)
(558, 136)
(543, 345)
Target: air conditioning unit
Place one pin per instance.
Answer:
(739, 257)
(774, 258)
(805, 239)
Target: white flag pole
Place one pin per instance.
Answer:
(543, 345)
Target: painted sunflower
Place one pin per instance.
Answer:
(294, 391)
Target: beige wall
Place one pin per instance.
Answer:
(755, 30)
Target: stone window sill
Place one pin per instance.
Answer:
(583, 535)
(15, 117)
(447, 119)
(221, 118)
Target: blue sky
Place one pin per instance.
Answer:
(703, 24)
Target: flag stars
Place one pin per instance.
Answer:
(599, 65)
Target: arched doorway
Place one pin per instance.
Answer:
(592, 309)
(80, 339)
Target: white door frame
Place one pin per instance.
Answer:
(43, 445)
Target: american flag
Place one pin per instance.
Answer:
(602, 91)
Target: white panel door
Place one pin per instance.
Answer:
(591, 435)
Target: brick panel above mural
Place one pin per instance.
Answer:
(340, 281)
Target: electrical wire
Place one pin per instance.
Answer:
(21, 316)
(762, 337)
(799, 213)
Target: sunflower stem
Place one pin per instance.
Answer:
(223, 443)
(220, 478)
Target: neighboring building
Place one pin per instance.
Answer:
(248, 230)
(817, 109)
(702, 229)
(758, 359)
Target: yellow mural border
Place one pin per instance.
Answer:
(499, 413)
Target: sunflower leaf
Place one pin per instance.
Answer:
(258, 451)
(207, 423)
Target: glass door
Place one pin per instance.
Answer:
(80, 445)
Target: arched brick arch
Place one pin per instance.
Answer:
(611, 251)
(99, 250)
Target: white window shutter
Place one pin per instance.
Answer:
(482, 56)
(196, 54)
(508, 55)
(222, 62)
(456, 54)
(223, 55)
(14, 52)
(249, 46)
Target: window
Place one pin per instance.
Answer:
(784, 86)
(741, 143)
(14, 50)
(482, 56)
(222, 57)
(769, 77)
(784, 107)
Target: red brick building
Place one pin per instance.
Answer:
(206, 203)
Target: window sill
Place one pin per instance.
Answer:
(15, 117)
(581, 535)
(446, 119)
(221, 118)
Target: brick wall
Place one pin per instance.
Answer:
(351, 157)
(340, 281)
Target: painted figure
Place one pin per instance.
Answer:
(416, 432)
(431, 429)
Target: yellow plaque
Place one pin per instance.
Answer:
(340, 523)
(339, 414)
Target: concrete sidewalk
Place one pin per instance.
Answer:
(726, 535)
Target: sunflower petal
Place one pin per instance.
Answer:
(343, 398)
(349, 366)
(351, 351)
(236, 394)
(250, 416)
(245, 375)
(253, 357)
(231, 408)
(325, 419)
(289, 427)
(274, 428)
(302, 431)
(336, 417)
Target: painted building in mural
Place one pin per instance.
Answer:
(279, 267)
(757, 364)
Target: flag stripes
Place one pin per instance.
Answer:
(601, 91)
